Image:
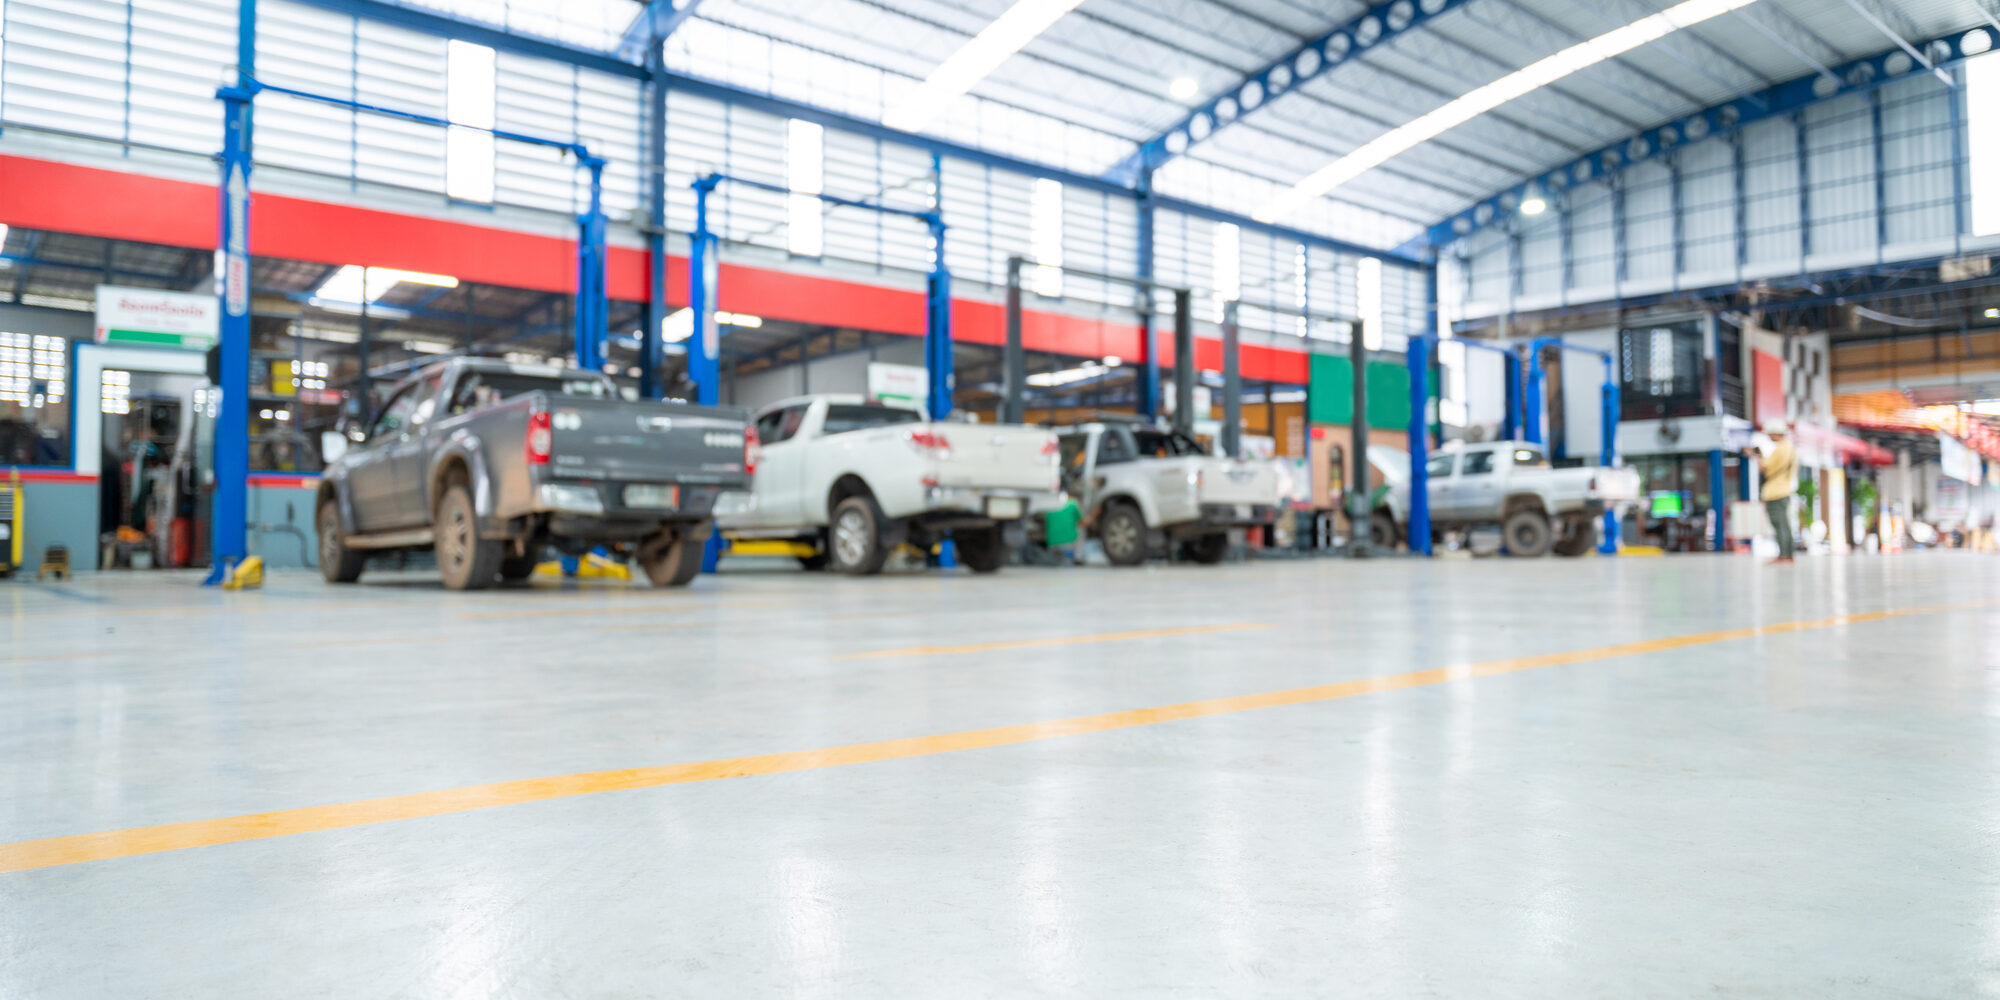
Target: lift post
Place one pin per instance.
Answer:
(1359, 513)
(1232, 385)
(1014, 373)
(1608, 428)
(1418, 357)
(704, 272)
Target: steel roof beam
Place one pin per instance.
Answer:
(652, 26)
(1374, 27)
(1777, 101)
(491, 36)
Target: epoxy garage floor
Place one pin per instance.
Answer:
(1672, 777)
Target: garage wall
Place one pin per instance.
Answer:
(58, 511)
(835, 373)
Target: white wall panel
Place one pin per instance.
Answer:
(1916, 215)
(1840, 176)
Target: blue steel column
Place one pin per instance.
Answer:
(1149, 354)
(937, 307)
(1715, 502)
(1510, 369)
(228, 533)
(591, 308)
(652, 356)
(1417, 358)
(1607, 450)
(703, 346)
(1531, 396)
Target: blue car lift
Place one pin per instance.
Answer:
(1532, 404)
(229, 532)
(1422, 348)
(704, 354)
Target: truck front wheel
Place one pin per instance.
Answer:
(1527, 534)
(1123, 535)
(671, 559)
(855, 537)
(465, 560)
(980, 549)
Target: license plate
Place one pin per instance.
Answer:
(1003, 508)
(652, 497)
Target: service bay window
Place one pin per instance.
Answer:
(1045, 235)
(805, 175)
(469, 104)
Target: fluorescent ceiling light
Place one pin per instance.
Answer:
(1183, 88)
(679, 324)
(3, 232)
(1089, 369)
(1113, 361)
(975, 59)
(1534, 204)
(1480, 100)
(353, 283)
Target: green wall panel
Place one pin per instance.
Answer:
(1331, 392)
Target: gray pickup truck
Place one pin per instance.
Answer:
(487, 462)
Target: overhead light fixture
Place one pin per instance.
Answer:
(1113, 361)
(1480, 100)
(1534, 204)
(1048, 380)
(1184, 88)
(678, 326)
(739, 319)
(355, 284)
(1008, 33)
(1993, 314)
(3, 233)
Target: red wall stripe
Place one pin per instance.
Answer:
(42, 194)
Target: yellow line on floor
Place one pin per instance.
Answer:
(53, 851)
(1065, 640)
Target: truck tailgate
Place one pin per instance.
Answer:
(1238, 481)
(644, 441)
(995, 456)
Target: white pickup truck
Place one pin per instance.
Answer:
(1137, 484)
(857, 479)
(1510, 483)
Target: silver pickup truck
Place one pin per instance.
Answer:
(486, 462)
(1508, 483)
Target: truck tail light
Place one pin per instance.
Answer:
(541, 437)
(753, 449)
(1050, 449)
(932, 443)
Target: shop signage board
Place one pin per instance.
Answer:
(156, 318)
(898, 383)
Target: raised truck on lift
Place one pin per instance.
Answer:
(1143, 488)
(486, 463)
(1539, 509)
(855, 479)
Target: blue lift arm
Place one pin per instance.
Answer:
(1607, 451)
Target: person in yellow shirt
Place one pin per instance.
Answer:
(1779, 468)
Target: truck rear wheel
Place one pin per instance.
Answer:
(1123, 535)
(1209, 549)
(465, 560)
(671, 559)
(854, 539)
(1527, 534)
(337, 562)
(980, 549)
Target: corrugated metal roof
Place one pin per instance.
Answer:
(1107, 65)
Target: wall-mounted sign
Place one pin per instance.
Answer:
(898, 383)
(157, 318)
